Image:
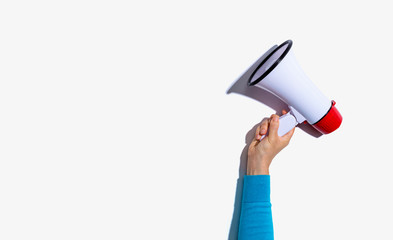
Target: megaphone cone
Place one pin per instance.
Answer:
(280, 74)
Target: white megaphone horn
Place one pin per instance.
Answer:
(280, 74)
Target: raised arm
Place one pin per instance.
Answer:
(256, 216)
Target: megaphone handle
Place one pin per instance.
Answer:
(287, 122)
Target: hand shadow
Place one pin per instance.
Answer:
(240, 86)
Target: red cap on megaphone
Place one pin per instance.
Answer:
(330, 122)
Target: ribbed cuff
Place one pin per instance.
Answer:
(256, 188)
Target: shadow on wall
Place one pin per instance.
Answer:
(240, 86)
(239, 186)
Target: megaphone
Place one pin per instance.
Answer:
(280, 74)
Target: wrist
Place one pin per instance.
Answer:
(258, 166)
(258, 170)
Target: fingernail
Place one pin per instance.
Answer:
(275, 118)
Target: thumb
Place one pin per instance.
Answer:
(273, 128)
(286, 137)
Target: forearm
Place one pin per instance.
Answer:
(256, 216)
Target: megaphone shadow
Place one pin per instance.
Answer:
(240, 86)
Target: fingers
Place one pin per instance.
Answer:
(271, 124)
(262, 128)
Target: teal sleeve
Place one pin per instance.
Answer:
(256, 214)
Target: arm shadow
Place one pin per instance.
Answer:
(239, 186)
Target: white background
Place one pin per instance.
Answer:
(115, 122)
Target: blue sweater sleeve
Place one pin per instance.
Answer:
(256, 214)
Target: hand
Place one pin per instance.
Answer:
(261, 153)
